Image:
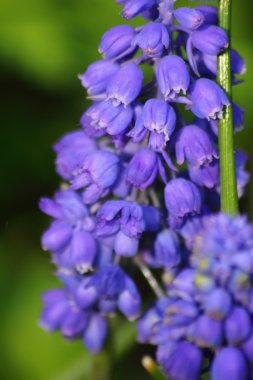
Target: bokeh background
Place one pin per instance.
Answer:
(44, 44)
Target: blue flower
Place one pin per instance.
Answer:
(61, 313)
(189, 17)
(125, 85)
(229, 364)
(184, 361)
(194, 145)
(242, 175)
(210, 39)
(208, 99)
(70, 236)
(238, 326)
(167, 250)
(97, 174)
(182, 199)
(133, 7)
(207, 332)
(210, 13)
(152, 39)
(142, 169)
(97, 76)
(159, 119)
(114, 120)
(108, 289)
(207, 176)
(127, 220)
(172, 76)
(71, 151)
(117, 41)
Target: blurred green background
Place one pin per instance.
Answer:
(44, 44)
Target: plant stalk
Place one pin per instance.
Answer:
(229, 198)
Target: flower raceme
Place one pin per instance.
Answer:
(140, 186)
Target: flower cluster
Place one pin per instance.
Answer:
(138, 179)
(208, 312)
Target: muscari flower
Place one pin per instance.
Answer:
(209, 12)
(117, 41)
(191, 18)
(127, 221)
(134, 7)
(210, 39)
(204, 304)
(97, 76)
(166, 252)
(108, 289)
(184, 361)
(158, 118)
(182, 199)
(125, 85)
(208, 99)
(97, 175)
(207, 176)
(142, 169)
(71, 151)
(113, 120)
(153, 39)
(70, 235)
(62, 313)
(229, 364)
(195, 145)
(172, 76)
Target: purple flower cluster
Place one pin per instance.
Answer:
(208, 312)
(137, 179)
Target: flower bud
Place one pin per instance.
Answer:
(208, 332)
(184, 362)
(207, 176)
(237, 326)
(194, 145)
(95, 333)
(115, 120)
(126, 245)
(208, 99)
(142, 169)
(117, 41)
(166, 249)
(152, 39)
(85, 294)
(71, 151)
(73, 324)
(57, 236)
(238, 63)
(134, 7)
(210, 39)
(209, 12)
(218, 304)
(145, 324)
(83, 251)
(242, 176)
(125, 85)
(172, 76)
(53, 314)
(159, 117)
(190, 18)
(97, 76)
(98, 173)
(182, 198)
(247, 348)
(238, 117)
(129, 300)
(229, 364)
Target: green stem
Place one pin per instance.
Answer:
(229, 198)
